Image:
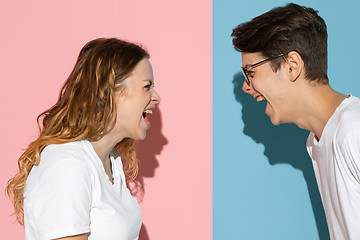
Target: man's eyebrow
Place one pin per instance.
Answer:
(247, 66)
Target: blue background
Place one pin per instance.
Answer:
(264, 185)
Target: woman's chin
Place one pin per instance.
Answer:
(141, 135)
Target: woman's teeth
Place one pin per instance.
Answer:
(260, 98)
(148, 111)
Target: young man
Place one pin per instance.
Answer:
(284, 56)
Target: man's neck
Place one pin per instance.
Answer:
(318, 104)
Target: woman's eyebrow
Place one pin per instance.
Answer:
(148, 80)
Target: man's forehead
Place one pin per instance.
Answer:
(251, 58)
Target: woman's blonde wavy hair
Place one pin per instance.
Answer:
(85, 109)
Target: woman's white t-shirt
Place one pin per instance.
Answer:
(69, 193)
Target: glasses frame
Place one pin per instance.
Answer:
(245, 69)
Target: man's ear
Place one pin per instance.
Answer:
(295, 65)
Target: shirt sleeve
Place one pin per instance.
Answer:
(61, 204)
(351, 150)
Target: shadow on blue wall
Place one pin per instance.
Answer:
(283, 144)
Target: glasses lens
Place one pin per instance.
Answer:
(245, 75)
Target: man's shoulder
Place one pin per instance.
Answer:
(349, 111)
(348, 118)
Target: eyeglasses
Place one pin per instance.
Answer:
(246, 69)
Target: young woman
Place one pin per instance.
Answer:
(71, 182)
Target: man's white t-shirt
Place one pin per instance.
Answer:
(336, 162)
(69, 193)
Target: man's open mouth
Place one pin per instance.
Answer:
(260, 98)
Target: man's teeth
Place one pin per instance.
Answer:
(148, 111)
(260, 98)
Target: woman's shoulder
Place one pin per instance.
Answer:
(72, 154)
(59, 162)
(78, 150)
(70, 149)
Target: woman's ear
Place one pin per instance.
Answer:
(295, 65)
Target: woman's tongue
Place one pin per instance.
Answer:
(146, 120)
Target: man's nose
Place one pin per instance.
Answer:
(248, 88)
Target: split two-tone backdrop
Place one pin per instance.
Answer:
(212, 166)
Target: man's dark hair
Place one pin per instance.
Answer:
(286, 29)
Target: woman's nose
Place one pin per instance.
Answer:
(155, 98)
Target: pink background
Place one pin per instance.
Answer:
(39, 43)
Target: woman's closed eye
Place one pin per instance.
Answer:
(149, 86)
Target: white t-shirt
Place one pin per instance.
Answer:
(336, 162)
(69, 193)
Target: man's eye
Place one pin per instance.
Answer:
(250, 74)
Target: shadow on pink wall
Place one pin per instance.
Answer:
(147, 151)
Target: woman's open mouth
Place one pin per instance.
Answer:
(147, 111)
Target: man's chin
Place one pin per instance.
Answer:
(274, 120)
